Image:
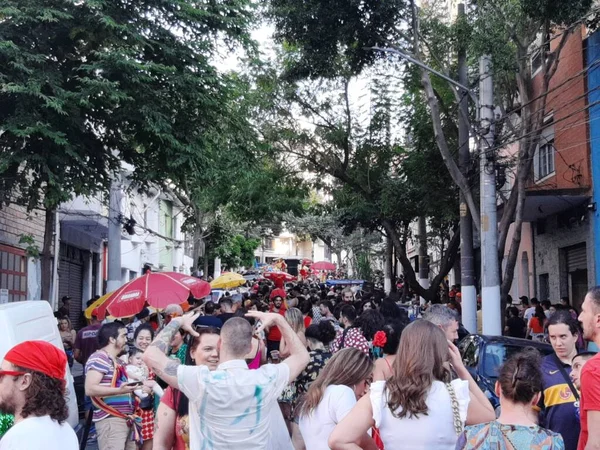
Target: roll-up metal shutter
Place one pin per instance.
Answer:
(70, 281)
(576, 258)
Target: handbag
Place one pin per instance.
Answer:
(458, 425)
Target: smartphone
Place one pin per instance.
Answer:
(135, 383)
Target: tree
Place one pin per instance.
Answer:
(86, 85)
(506, 29)
(360, 164)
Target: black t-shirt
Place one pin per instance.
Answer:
(225, 316)
(208, 321)
(516, 327)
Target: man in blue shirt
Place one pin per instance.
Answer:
(558, 402)
(209, 319)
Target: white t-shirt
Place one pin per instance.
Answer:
(528, 314)
(432, 431)
(39, 433)
(231, 407)
(316, 427)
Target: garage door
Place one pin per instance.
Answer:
(70, 280)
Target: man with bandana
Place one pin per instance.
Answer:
(32, 388)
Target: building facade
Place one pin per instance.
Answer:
(556, 258)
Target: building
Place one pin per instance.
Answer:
(555, 256)
(20, 275)
(151, 237)
(288, 245)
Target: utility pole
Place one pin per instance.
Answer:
(389, 266)
(114, 235)
(490, 273)
(423, 259)
(467, 267)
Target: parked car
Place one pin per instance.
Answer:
(483, 356)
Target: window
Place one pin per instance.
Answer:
(269, 244)
(13, 273)
(544, 155)
(546, 159)
(471, 355)
(542, 42)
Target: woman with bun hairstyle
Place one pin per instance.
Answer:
(384, 366)
(519, 387)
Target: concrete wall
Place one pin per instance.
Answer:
(549, 258)
(524, 276)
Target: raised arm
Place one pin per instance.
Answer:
(298, 358)
(480, 409)
(351, 432)
(155, 355)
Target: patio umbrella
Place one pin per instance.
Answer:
(97, 303)
(228, 280)
(323, 265)
(279, 277)
(157, 289)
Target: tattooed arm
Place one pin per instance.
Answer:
(155, 355)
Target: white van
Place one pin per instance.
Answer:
(34, 321)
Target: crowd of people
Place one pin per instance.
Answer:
(307, 368)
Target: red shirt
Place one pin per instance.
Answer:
(307, 321)
(182, 432)
(590, 396)
(274, 332)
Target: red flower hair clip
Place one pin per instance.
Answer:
(380, 339)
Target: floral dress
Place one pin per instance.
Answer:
(497, 436)
(299, 387)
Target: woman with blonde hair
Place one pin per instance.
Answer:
(296, 320)
(343, 380)
(418, 407)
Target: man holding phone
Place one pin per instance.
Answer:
(106, 383)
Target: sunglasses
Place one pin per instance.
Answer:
(11, 373)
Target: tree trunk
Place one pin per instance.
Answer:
(48, 255)
(410, 277)
(389, 266)
(198, 240)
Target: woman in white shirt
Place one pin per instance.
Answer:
(344, 379)
(418, 407)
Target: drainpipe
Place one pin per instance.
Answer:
(56, 260)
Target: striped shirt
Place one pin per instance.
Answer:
(101, 361)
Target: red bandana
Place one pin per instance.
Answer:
(39, 356)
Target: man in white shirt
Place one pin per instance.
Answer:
(32, 388)
(530, 312)
(231, 407)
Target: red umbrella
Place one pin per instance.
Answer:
(323, 265)
(157, 289)
(198, 288)
(279, 277)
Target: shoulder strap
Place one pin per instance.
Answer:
(566, 376)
